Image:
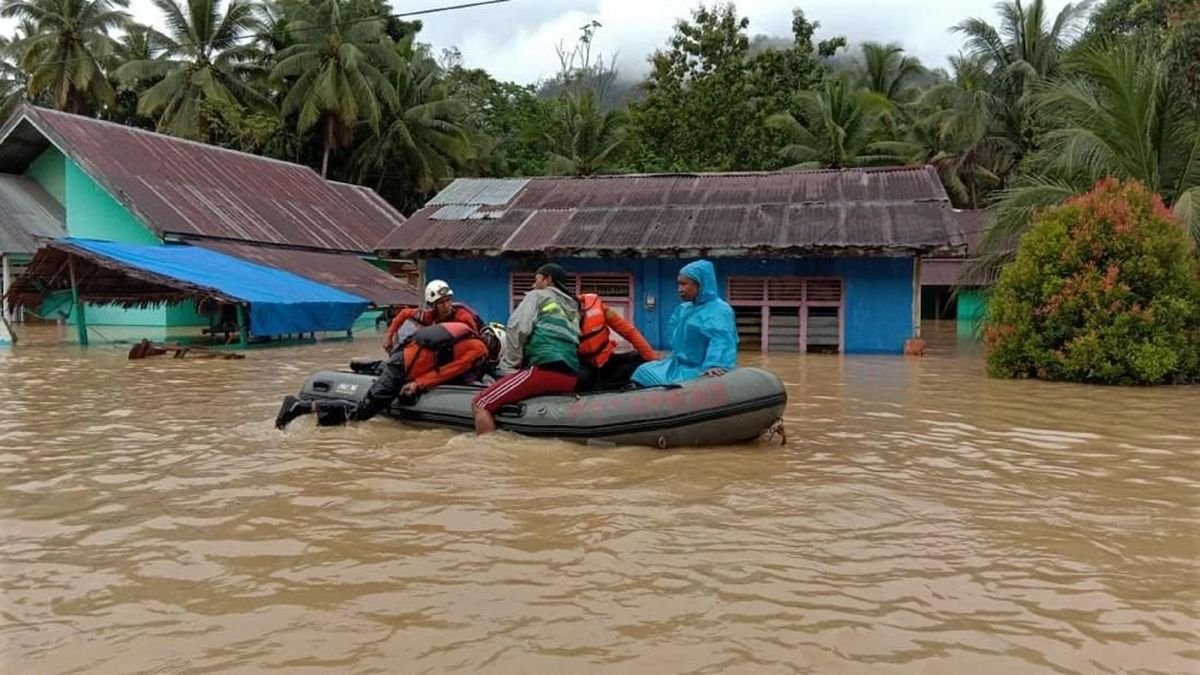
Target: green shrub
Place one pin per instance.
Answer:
(1105, 288)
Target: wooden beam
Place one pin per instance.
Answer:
(5, 284)
(916, 302)
(243, 329)
(80, 315)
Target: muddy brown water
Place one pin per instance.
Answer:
(921, 518)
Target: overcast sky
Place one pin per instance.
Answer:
(516, 40)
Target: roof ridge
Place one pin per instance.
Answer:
(43, 112)
(941, 201)
(713, 174)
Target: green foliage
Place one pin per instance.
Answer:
(1117, 115)
(582, 139)
(335, 72)
(1104, 289)
(707, 98)
(885, 70)
(1169, 27)
(203, 59)
(836, 130)
(12, 78)
(230, 125)
(423, 141)
(507, 120)
(64, 46)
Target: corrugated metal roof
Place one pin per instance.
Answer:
(941, 271)
(183, 187)
(454, 212)
(479, 191)
(370, 203)
(344, 271)
(28, 216)
(896, 210)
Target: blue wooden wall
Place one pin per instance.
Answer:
(878, 291)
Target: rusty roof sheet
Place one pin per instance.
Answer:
(182, 187)
(344, 271)
(941, 271)
(895, 210)
(369, 202)
(28, 216)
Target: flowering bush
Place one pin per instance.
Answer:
(1105, 288)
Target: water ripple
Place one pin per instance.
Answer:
(921, 518)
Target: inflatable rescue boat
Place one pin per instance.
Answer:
(737, 407)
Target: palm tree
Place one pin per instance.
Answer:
(835, 128)
(1119, 116)
(63, 56)
(206, 59)
(12, 79)
(334, 74)
(141, 43)
(1025, 49)
(958, 126)
(423, 138)
(137, 43)
(582, 139)
(1028, 45)
(885, 70)
(274, 31)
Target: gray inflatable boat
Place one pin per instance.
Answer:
(737, 407)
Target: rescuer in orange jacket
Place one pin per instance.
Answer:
(602, 368)
(442, 308)
(432, 356)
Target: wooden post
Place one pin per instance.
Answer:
(243, 329)
(915, 346)
(916, 296)
(80, 315)
(5, 284)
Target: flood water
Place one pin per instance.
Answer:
(921, 518)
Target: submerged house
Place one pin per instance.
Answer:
(948, 288)
(810, 261)
(102, 182)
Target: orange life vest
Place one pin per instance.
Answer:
(595, 343)
(441, 338)
(443, 353)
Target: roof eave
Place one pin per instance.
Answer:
(864, 250)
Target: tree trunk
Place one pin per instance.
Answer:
(328, 144)
(74, 101)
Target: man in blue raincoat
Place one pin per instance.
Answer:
(703, 332)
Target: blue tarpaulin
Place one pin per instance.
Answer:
(280, 302)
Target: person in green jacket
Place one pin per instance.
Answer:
(541, 352)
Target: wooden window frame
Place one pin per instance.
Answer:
(577, 279)
(802, 305)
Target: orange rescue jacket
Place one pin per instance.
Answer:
(443, 352)
(596, 345)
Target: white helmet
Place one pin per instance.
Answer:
(493, 336)
(436, 290)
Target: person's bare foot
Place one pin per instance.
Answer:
(484, 422)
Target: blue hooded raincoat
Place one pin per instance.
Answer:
(703, 334)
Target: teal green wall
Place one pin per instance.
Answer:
(174, 316)
(972, 305)
(93, 214)
(49, 171)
